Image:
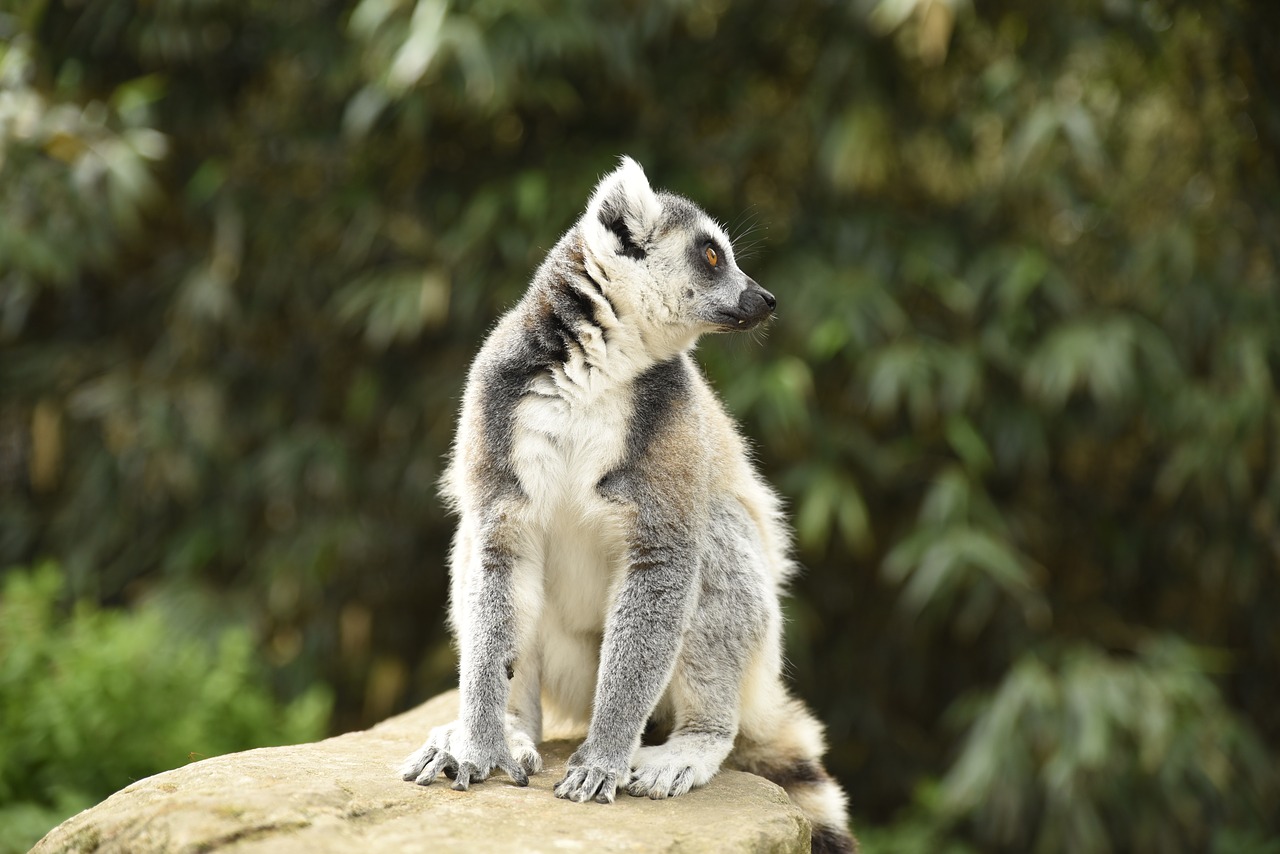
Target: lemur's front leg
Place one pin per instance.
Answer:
(641, 642)
(470, 748)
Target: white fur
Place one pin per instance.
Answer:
(825, 801)
(641, 209)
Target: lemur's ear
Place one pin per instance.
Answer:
(622, 213)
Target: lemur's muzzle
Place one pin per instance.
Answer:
(755, 305)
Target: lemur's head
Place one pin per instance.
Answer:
(665, 264)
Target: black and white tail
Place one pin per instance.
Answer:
(785, 745)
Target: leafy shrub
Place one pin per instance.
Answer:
(1080, 748)
(92, 699)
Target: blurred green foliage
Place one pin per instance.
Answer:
(93, 699)
(1021, 393)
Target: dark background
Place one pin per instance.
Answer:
(1020, 394)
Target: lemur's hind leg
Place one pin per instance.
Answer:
(706, 721)
(706, 688)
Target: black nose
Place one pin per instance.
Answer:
(756, 304)
(754, 291)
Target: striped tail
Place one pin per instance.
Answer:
(822, 801)
(785, 745)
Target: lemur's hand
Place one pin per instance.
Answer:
(462, 756)
(593, 777)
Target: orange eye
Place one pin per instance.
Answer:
(712, 258)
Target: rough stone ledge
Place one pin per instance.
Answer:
(343, 795)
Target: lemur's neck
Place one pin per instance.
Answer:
(590, 343)
(655, 343)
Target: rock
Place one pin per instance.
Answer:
(343, 795)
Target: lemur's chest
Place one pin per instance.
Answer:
(561, 451)
(563, 448)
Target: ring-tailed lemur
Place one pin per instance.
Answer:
(617, 554)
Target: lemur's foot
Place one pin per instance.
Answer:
(525, 753)
(667, 771)
(465, 759)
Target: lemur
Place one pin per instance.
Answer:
(617, 555)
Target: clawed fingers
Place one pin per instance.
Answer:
(466, 771)
(413, 766)
(590, 786)
(572, 780)
(515, 772)
(588, 783)
(437, 761)
(661, 781)
(425, 768)
(466, 761)
(608, 789)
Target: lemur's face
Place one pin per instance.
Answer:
(691, 259)
(667, 263)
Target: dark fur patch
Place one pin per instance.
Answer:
(833, 840)
(613, 485)
(592, 279)
(583, 305)
(802, 772)
(545, 338)
(578, 265)
(505, 383)
(600, 290)
(678, 212)
(618, 226)
(555, 326)
(655, 396)
(655, 732)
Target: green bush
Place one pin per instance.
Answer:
(1082, 747)
(92, 699)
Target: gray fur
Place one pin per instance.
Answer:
(617, 556)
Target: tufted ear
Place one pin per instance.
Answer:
(622, 213)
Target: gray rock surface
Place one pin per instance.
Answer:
(343, 795)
